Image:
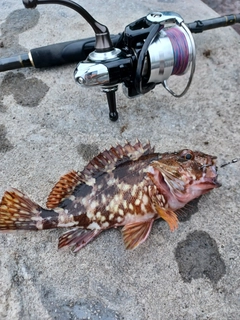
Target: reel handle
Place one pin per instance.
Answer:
(103, 40)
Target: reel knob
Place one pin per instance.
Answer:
(30, 4)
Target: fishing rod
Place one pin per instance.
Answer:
(145, 54)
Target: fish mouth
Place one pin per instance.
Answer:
(214, 179)
(209, 179)
(210, 173)
(216, 182)
(209, 184)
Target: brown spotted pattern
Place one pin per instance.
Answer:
(112, 189)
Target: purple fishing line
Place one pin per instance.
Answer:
(180, 50)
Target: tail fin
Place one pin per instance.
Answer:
(18, 212)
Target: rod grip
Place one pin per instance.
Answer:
(62, 53)
(53, 55)
(65, 52)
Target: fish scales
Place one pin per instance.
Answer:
(113, 195)
(128, 186)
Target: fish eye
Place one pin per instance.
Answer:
(188, 156)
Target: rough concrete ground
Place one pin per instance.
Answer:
(49, 125)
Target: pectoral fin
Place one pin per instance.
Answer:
(169, 216)
(136, 233)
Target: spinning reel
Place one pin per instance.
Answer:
(150, 53)
(147, 53)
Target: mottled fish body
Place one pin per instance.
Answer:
(128, 186)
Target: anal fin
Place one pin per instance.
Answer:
(77, 238)
(136, 233)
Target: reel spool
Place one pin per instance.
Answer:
(170, 52)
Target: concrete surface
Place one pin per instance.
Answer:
(49, 125)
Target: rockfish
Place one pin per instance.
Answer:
(128, 186)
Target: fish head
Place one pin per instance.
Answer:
(183, 176)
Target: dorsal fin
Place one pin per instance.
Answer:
(109, 159)
(63, 188)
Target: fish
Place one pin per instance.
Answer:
(127, 186)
